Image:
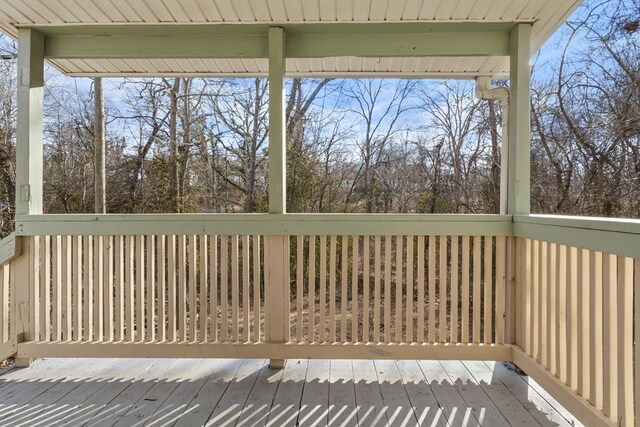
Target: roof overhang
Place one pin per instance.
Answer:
(220, 38)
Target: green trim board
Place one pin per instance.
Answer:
(10, 248)
(251, 40)
(265, 224)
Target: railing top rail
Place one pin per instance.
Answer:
(618, 225)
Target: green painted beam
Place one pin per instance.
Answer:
(265, 224)
(519, 162)
(277, 126)
(303, 41)
(29, 131)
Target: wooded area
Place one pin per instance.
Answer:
(186, 144)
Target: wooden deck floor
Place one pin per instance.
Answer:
(188, 392)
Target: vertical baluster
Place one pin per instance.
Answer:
(322, 334)
(76, 290)
(366, 286)
(442, 291)
(213, 285)
(477, 296)
(455, 262)
(119, 287)
(108, 288)
(182, 288)
(192, 290)
(542, 304)
(56, 261)
(636, 337)
(256, 288)
(161, 256)
(595, 320)
(45, 288)
(610, 315)
(432, 289)
(488, 284)
(234, 288)
(625, 340)
(332, 289)
(376, 290)
(552, 294)
(98, 288)
(129, 300)
(574, 319)
(501, 259)
(245, 288)
(172, 286)
(202, 286)
(535, 295)
(354, 288)
(150, 267)
(561, 278)
(87, 283)
(465, 315)
(343, 288)
(312, 288)
(299, 286)
(421, 284)
(4, 303)
(410, 284)
(224, 288)
(583, 324)
(140, 289)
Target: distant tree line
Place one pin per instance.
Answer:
(185, 144)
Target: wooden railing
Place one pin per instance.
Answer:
(9, 250)
(578, 324)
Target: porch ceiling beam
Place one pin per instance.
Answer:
(303, 41)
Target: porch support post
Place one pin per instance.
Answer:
(519, 166)
(277, 247)
(28, 179)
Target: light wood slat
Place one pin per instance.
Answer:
(4, 303)
(172, 287)
(387, 288)
(410, 285)
(245, 290)
(583, 326)
(181, 288)
(465, 290)
(332, 289)
(343, 288)
(431, 329)
(34, 285)
(443, 295)
(311, 335)
(376, 289)
(214, 285)
(366, 286)
(76, 291)
(130, 282)
(45, 288)
(625, 340)
(150, 292)
(563, 312)
(501, 284)
(455, 262)
(355, 241)
(477, 285)
(487, 284)
(108, 289)
(636, 335)
(322, 326)
(98, 288)
(118, 253)
(610, 317)
(224, 288)
(299, 286)
(595, 326)
(57, 285)
(553, 310)
(203, 259)
(235, 286)
(161, 249)
(140, 289)
(542, 304)
(420, 291)
(399, 289)
(535, 295)
(572, 327)
(528, 296)
(87, 284)
(191, 289)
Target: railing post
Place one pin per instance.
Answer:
(276, 257)
(26, 284)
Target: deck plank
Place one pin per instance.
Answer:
(205, 401)
(449, 399)
(369, 403)
(342, 398)
(398, 407)
(424, 402)
(229, 407)
(473, 394)
(286, 404)
(314, 406)
(256, 409)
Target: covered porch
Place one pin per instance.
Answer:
(557, 296)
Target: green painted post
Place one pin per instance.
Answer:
(277, 138)
(30, 118)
